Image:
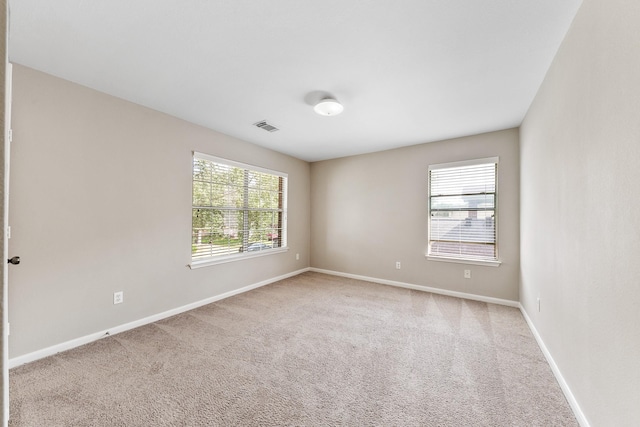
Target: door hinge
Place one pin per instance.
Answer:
(10, 135)
(8, 231)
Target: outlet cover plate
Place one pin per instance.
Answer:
(118, 297)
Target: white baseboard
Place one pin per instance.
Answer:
(68, 345)
(439, 291)
(582, 420)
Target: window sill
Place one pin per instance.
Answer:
(495, 263)
(233, 258)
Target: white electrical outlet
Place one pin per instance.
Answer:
(398, 265)
(297, 257)
(118, 297)
(467, 274)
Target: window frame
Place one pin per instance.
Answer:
(220, 259)
(495, 262)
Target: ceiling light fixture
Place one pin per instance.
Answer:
(328, 107)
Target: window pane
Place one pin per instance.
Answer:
(270, 199)
(464, 180)
(462, 212)
(463, 250)
(254, 198)
(462, 226)
(235, 196)
(201, 170)
(214, 232)
(201, 193)
(235, 177)
(222, 173)
(463, 202)
(218, 198)
(235, 210)
(261, 221)
(254, 179)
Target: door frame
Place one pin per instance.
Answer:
(5, 118)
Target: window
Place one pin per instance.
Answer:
(238, 210)
(462, 211)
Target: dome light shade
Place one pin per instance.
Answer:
(328, 107)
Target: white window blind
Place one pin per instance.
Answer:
(462, 210)
(237, 210)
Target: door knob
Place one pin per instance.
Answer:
(15, 260)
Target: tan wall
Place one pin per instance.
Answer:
(101, 202)
(370, 211)
(580, 193)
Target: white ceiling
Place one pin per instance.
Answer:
(406, 71)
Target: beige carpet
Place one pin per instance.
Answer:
(312, 350)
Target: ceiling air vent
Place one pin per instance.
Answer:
(266, 126)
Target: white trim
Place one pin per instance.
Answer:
(439, 291)
(68, 345)
(577, 411)
(231, 258)
(240, 165)
(489, 263)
